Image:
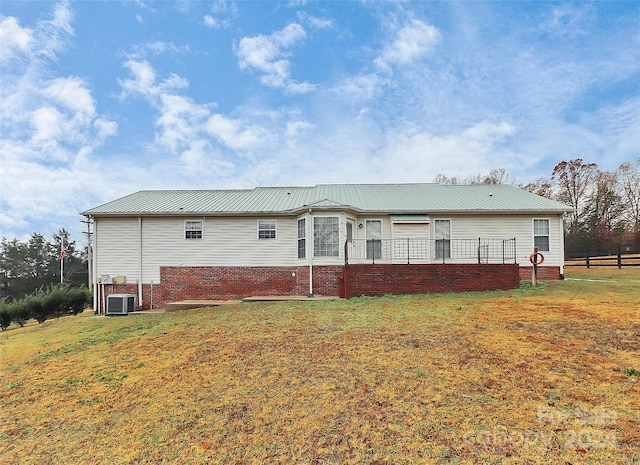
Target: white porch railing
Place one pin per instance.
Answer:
(427, 251)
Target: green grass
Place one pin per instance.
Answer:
(498, 377)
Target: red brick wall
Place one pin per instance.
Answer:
(223, 283)
(229, 282)
(419, 279)
(545, 273)
(326, 280)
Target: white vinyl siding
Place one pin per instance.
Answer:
(227, 242)
(509, 227)
(231, 241)
(404, 250)
(116, 247)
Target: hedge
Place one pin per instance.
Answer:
(56, 300)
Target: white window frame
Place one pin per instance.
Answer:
(447, 240)
(315, 248)
(302, 246)
(267, 226)
(191, 232)
(548, 235)
(374, 245)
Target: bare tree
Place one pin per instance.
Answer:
(541, 186)
(629, 180)
(574, 178)
(495, 176)
(604, 209)
(445, 180)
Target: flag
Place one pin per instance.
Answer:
(62, 252)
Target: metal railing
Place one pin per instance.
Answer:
(409, 251)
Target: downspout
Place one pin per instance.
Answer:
(93, 243)
(140, 261)
(561, 234)
(310, 252)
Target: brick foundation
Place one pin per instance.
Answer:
(375, 280)
(224, 283)
(545, 273)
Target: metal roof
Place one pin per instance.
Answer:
(409, 218)
(417, 198)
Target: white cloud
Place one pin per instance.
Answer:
(211, 22)
(224, 13)
(14, 39)
(358, 89)
(235, 134)
(52, 35)
(314, 21)
(144, 80)
(569, 20)
(422, 155)
(105, 128)
(72, 93)
(187, 128)
(46, 123)
(180, 121)
(50, 125)
(268, 55)
(411, 42)
(296, 128)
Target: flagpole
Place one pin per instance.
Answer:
(62, 261)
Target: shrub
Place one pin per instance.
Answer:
(37, 308)
(63, 300)
(58, 300)
(54, 299)
(5, 317)
(77, 299)
(19, 312)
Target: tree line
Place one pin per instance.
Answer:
(606, 204)
(34, 264)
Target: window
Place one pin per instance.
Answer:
(193, 229)
(266, 229)
(541, 235)
(374, 239)
(326, 236)
(302, 238)
(443, 239)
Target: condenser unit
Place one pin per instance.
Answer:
(120, 304)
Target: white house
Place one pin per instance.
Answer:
(212, 244)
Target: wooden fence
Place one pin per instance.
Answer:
(623, 256)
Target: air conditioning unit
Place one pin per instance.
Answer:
(120, 304)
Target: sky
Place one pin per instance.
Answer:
(100, 99)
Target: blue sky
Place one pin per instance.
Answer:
(102, 99)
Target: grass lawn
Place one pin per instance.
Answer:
(532, 376)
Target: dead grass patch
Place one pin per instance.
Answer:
(538, 376)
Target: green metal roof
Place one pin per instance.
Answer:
(375, 198)
(409, 218)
